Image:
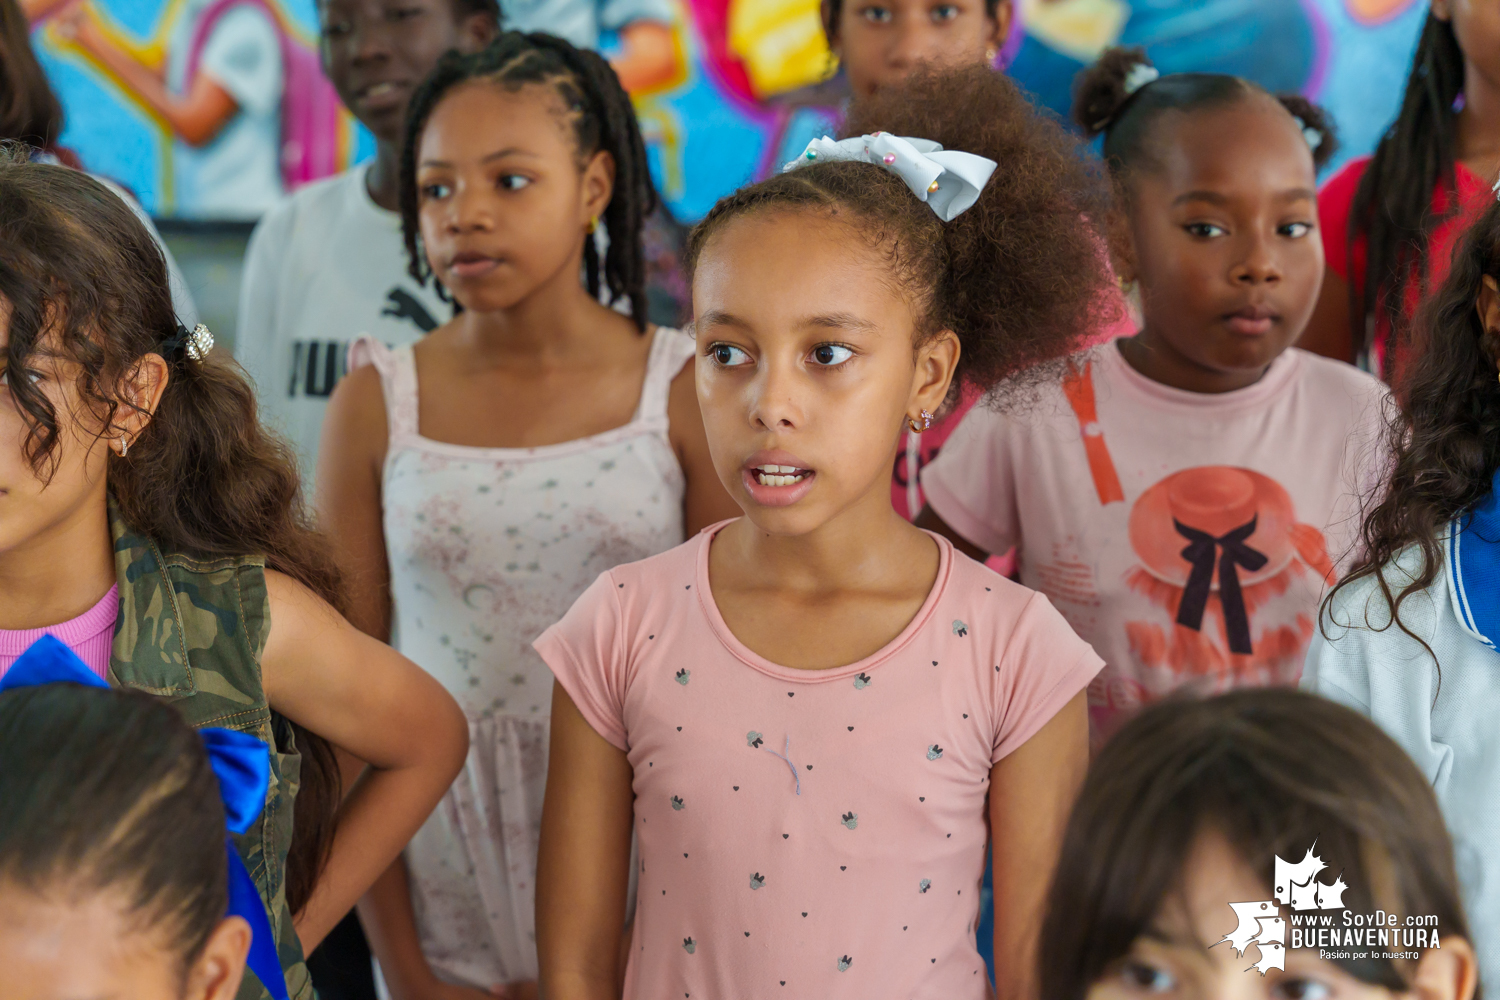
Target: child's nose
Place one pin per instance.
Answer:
(774, 402)
(1259, 263)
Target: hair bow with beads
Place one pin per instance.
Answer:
(242, 764)
(949, 181)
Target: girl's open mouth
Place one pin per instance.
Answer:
(779, 475)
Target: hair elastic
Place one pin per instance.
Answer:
(242, 764)
(195, 343)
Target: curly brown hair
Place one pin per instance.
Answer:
(1021, 276)
(86, 283)
(1445, 439)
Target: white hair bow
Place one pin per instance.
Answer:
(947, 180)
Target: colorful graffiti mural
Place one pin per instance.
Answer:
(215, 108)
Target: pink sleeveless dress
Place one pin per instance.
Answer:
(487, 548)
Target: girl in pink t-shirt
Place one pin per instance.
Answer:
(1184, 495)
(814, 718)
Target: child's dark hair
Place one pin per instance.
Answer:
(1392, 209)
(110, 791)
(831, 10)
(468, 8)
(1445, 439)
(603, 119)
(1101, 106)
(1020, 277)
(29, 110)
(87, 284)
(1274, 771)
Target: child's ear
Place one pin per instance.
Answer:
(139, 393)
(220, 966)
(598, 184)
(1004, 14)
(1488, 305)
(1121, 240)
(1447, 973)
(937, 360)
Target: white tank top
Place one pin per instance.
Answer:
(487, 547)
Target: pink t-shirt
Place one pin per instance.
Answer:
(811, 833)
(90, 635)
(1124, 497)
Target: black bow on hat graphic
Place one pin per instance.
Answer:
(1231, 552)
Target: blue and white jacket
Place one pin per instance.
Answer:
(1445, 714)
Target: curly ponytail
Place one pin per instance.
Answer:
(79, 271)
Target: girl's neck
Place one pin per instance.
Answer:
(866, 547)
(1478, 125)
(60, 573)
(1158, 361)
(557, 320)
(383, 182)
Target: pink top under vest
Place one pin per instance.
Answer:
(90, 635)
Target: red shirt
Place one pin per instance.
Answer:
(1337, 198)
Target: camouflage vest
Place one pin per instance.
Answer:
(192, 631)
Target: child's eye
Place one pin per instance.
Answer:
(877, 15)
(944, 12)
(32, 377)
(830, 355)
(728, 356)
(1204, 230)
(1296, 230)
(404, 13)
(1301, 989)
(1140, 976)
(336, 29)
(435, 192)
(514, 182)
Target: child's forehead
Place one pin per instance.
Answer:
(1252, 143)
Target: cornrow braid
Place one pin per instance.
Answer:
(603, 119)
(1392, 208)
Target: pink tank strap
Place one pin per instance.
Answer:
(398, 383)
(670, 350)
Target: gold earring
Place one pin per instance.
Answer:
(990, 54)
(918, 426)
(593, 225)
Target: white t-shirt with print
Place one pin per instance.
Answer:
(1125, 498)
(237, 174)
(322, 269)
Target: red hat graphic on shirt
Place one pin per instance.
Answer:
(1217, 530)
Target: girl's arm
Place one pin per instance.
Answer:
(706, 501)
(361, 695)
(351, 456)
(196, 116)
(584, 861)
(1031, 792)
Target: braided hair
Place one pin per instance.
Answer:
(1392, 207)
(603, 119)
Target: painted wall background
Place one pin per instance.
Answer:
(746, 91)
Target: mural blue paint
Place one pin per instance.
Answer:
(743, 92)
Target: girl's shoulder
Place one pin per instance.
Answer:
(1363, 605)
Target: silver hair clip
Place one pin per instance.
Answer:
(1314, 136)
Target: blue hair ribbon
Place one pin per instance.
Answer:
(242, 764)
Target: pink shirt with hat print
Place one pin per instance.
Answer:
(811, 833)
(1188, 537)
